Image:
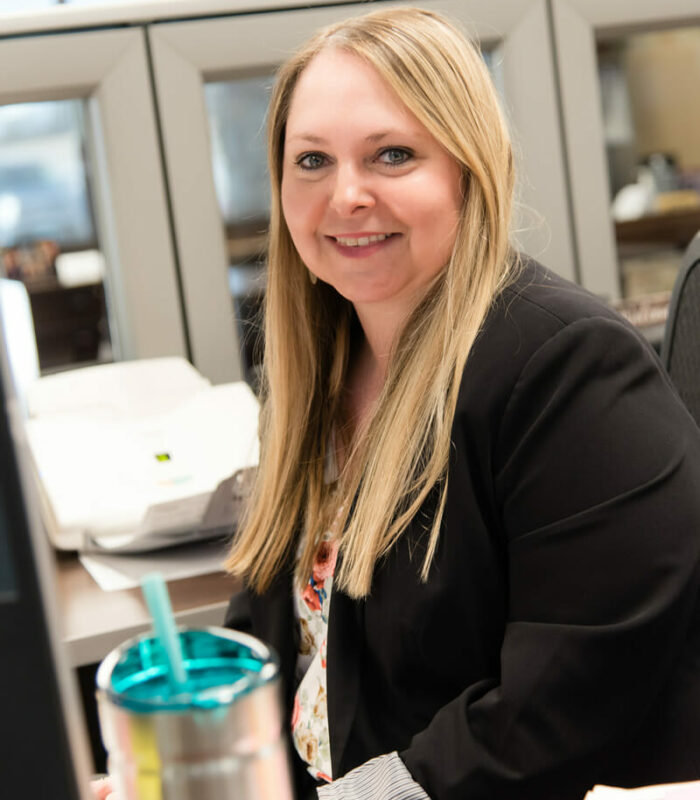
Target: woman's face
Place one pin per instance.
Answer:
(371, 200)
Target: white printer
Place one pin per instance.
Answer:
(129, 456)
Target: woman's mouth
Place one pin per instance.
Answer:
(361, 244)
(361, 241)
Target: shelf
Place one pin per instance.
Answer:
(674, 229)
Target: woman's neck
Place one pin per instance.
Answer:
(380, 325)
(365, 382)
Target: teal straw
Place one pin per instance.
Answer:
(157, 599)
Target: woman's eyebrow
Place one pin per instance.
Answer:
(377, 137)
(372, 137)
(307, 137)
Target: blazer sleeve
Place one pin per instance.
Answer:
(597, 475)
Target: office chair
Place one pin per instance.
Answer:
(680, 352)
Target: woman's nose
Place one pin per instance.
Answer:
(351, 191)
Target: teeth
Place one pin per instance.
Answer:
(348, 241)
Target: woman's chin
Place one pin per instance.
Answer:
(370, 292)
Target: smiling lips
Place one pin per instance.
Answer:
(361, 240)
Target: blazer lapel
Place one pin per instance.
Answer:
(344, 648)
(272, 615)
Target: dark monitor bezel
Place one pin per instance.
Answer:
(42, 736)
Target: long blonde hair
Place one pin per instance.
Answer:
(441, 78)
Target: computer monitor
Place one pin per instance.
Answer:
(43, 746)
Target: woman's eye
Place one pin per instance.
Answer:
(311, 161)
(395, 156)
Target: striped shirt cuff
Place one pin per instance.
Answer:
(382, 778)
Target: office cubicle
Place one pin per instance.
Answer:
(105, 73)
(589, 36)
(180, 212)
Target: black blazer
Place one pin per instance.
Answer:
(556, 643)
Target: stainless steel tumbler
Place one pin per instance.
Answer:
(219, 739)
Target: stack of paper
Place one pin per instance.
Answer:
(116, 572)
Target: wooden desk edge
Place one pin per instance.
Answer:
(90, 649)
(95, 621)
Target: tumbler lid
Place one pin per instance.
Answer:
(221, 666)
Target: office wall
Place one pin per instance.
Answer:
(663, 75)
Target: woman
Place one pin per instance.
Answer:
(473, 536)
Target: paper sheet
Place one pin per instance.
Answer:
(669, 791)
(115, 572)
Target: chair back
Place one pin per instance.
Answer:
(680, 352)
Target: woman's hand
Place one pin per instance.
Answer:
(102, 789)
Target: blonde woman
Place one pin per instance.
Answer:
(473, 536)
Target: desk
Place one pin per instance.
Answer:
(95, 621)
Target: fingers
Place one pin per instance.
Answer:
(103, 789)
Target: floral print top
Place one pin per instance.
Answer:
(310, 715)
